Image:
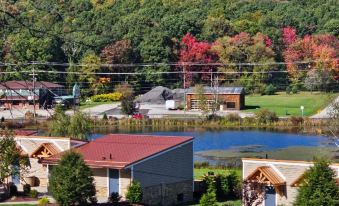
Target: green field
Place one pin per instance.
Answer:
(289, 104)
(86, 105)
(199, 173)
(289, 153)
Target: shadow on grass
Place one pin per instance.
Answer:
(247, 107)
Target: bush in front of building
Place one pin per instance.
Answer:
(209, 198)
(71, 181)
(319, 186)
(114, 198)
(27, 189)
(43, 201)
(33, 194)
(227, 186)
(134, 192)
(110, 97)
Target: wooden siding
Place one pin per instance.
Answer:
(238, 99)
(170, 167)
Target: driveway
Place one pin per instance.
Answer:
(325, 113)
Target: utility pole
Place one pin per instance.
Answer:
(33, 82)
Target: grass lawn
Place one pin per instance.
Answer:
(85, 105)
(199, 173)
(283, 103)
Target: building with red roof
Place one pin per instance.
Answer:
(159, 163)
(20, 94)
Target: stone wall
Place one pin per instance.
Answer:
(124, 181)
(167, 194)
(101, 181)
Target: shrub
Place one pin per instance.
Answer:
(295, 89)
(265, 116)
(288, 90)
(27, 189)
(13, 190)
(199, 165)
(233, 117)
(114, 198)
(249, 121)
(296, 120)
(110, 97)
(43, 201)
(134, 192)
(270, 90)
(208, 199)
(33, 194)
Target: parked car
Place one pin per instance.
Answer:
(139, 116)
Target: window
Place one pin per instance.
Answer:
(180, 197)
(230, 105)
(195, 104)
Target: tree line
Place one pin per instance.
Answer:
(93, 32)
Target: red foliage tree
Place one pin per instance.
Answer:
(194, 51)
(317, 51)
(289, 35)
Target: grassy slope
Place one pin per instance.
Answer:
(282, 102)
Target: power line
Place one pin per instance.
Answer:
(157, 64)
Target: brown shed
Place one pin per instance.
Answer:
(229, 98)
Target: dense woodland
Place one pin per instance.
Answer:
(302, 33)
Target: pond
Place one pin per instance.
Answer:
(223, 147)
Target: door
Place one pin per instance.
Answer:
(16, 177)
(270, 196)
(113, 181)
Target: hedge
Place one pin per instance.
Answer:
(110, 97)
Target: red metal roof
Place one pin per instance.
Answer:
(121, 150)
(28, 85)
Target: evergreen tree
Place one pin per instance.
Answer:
(319, 186)
(71, 181)
(210, 197)
(134, 193)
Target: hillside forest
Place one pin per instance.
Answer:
(173, 43)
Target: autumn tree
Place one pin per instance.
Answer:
(242, 48)
(308, 53)
(117, 52)
(91, 65)
(194, 51)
